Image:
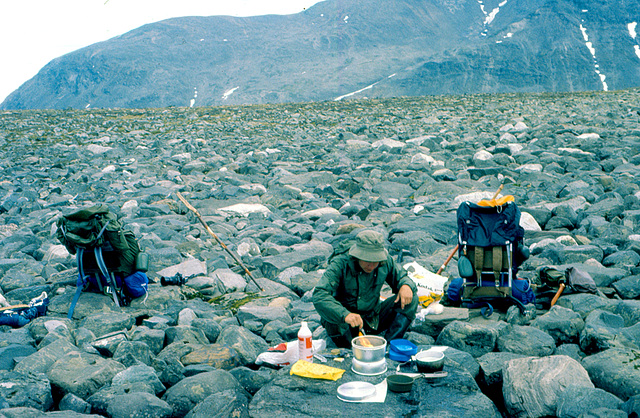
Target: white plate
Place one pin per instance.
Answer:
(355, 391)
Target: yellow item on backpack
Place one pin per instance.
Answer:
(496, 202)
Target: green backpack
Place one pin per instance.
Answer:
(104, 251)
(96, 227)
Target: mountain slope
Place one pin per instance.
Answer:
(350, 48)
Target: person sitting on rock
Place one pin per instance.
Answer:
(347, 297)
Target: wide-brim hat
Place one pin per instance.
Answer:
(369, 247)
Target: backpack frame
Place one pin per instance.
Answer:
(491, 239)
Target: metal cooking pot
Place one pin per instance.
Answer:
(367, 368)
(374, 351)
(429, 361)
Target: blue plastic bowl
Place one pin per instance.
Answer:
(401, 350)
(402, 346)
(393, 355)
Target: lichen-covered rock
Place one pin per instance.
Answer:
(532, 387)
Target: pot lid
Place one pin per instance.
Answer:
(355, 391)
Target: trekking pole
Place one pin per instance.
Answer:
(202, 221)
(442, 267)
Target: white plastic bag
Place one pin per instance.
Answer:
(426, 281)
(430, 286)
(434, 308)
(287, 353)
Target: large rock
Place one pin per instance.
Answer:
(228, 403)
(138, 404)
(139, 374)
(456, 396)
(263, 314)
(525, 340)
(189, 392)
(585, 303)
(82, 373)
(308, 256)
(25, 390)
(563, 324)
(616, 370)
(474, 339)
(42, 360)
(604, 330)
(102, 399)
(215, 355)
(491, 366)
(580, 401)
(629, 287)
(532, 387)
(247, 344)
(10, 353)
(102, 324)
(287, 395)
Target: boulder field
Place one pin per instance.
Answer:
(282, 186)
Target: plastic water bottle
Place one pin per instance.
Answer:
(305, 347)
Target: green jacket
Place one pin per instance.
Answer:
(345, 288)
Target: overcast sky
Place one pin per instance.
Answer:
(33, 32)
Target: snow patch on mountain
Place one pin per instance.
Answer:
(229, 92)
(632, 29)
(632, 32)
(337, 99)
(195, 96)
(489, 16)
(592, 50)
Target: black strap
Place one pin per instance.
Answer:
(103, 269)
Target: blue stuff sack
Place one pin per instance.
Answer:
(521, 290)
(136, 284)
(454, 291)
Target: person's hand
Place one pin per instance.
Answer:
(405, 296)
(354, 320)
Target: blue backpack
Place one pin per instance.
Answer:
(491, 247)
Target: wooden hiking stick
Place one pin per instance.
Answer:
(202, 221)
(442, 267)
(6, 308)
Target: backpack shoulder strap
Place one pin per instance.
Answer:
(478, 262)
(497, 263)
(79, 283)
(105, 272)
(76, 296)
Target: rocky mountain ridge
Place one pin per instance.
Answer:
(341, 49)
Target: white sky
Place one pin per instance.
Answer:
(33, 32)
